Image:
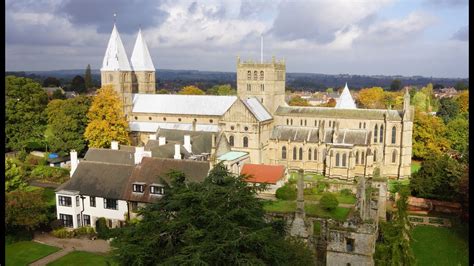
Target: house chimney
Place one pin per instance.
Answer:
(74, 162)
(177, 154)
(187, 143)
(161, 141)
(139, 154)
(194, 125)
(114, 145)
(152, 137)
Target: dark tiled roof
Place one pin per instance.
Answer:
(327, 112)
(154, 171)
(167, 150)
(110, 156)
(99, 179)
(201, 141)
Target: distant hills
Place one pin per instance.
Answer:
(298, 81)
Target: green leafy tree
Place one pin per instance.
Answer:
(396, 85)
(51, 82)
(222, 90)
(438, 178)
(429, 136)
(25, 120)
(298, 101)
(25, 210)
(420, 101)
(162, 91)
(107, 122)
(457, 132)
(461, 85)
(329, 90)
(58, 94)
(67, 121)
(328, 201)
(78, 84)
(14, 176)
(88, 78)
(448, 110)
(216, 222)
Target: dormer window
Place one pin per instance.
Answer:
(157, 190)
(138, 188)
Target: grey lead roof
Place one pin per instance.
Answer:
(111, 156)
(257, 109)
(311, 135)
(328, 112)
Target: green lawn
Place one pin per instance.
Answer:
(81, 258)
(440, 246)
(346, 199)
(25, 252)
(415, 166)
(285, 206)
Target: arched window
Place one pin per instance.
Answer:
(337, 159)
(394, 156)
(249, 87)
(344, 159)
(309, 154)
(246, 142)
(249, 75)
(305, 122)
(375, 133)
(375, 155)
(315, 155)
(255, 75)
(329, 123)
(291, 121)
(394, 135)
(283, 153)
(381, 134)
(357, 157)
(362, 158)
(301, 154)
(364, 124)
(287, 121)
(231, 141)
(360, 124)
(111, 77)
(262, 75)
(315, 123)
(301, 122)
(294, 153)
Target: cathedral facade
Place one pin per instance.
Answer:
(343, 142)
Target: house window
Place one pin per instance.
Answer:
(375, 133)
(87, 220)
(394, 135)
(134, 206)
(315, 154)
(157, 190)
(255, 75)
(381, 134)
(138, 188)
(65, 201)
(78, 203)
(246, 142)
(301, 154)
(66, 219)
(294, 153)
(309, 154)
(283, 153)
(78, 220)
(357, 157)
(249, 75)
(231, 141)
(344, 160)
(394, 156)
(262, 75)
(111, 204)
(92, 201)
(337, 159)
(349, 244)
(362, 158)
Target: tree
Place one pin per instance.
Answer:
(396, 85)
(88, 78)
(225, 89)
(328, 201)
(191, 90)
(394, 247)
(58, 94)
(420, 101)
(25, 210)
(329, 90)
(25, 120)
(162, 91)
(298, 101)
(448, 110)
(107, 122)
(67, 121)
(463, 101)
(217, 222)
(78, 84)
(457, 132)
(460, 85)
(51, 82)
(372, 98)
(429, 136)
(438, 178)
(14, 176)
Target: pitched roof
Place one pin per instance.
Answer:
(345, 101)
(141, 59)
(232, 155)
(201, 141)
(115, 57)
(165, 151)
(311, 135)
(154, 171)
(154, 126)
(99, 179)
(262, 173)
(328, 112)
(257, 109)
(126, 157)
(182, 104)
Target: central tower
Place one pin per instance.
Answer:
(264, 80)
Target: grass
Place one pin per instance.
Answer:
(83, 258)
(25, 252)
(286, 206)
(307, 177)
(415, 166)
(440, 246)
(316, 228)
(345, 199)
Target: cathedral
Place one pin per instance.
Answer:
(342, 143)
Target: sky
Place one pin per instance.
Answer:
(358, 37)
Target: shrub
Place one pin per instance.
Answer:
(56, 224)
(328, 201)
(84, 231)
(63, 233)
(322, 186)
(51, 174)
(22, 155)
(286, 192)
(103, 231)
(346, 192)
(32, 159)
(67, 233)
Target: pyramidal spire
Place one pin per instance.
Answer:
(141, 59)
(115, 58)
(345, 101)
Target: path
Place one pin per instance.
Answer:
(68, 245)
